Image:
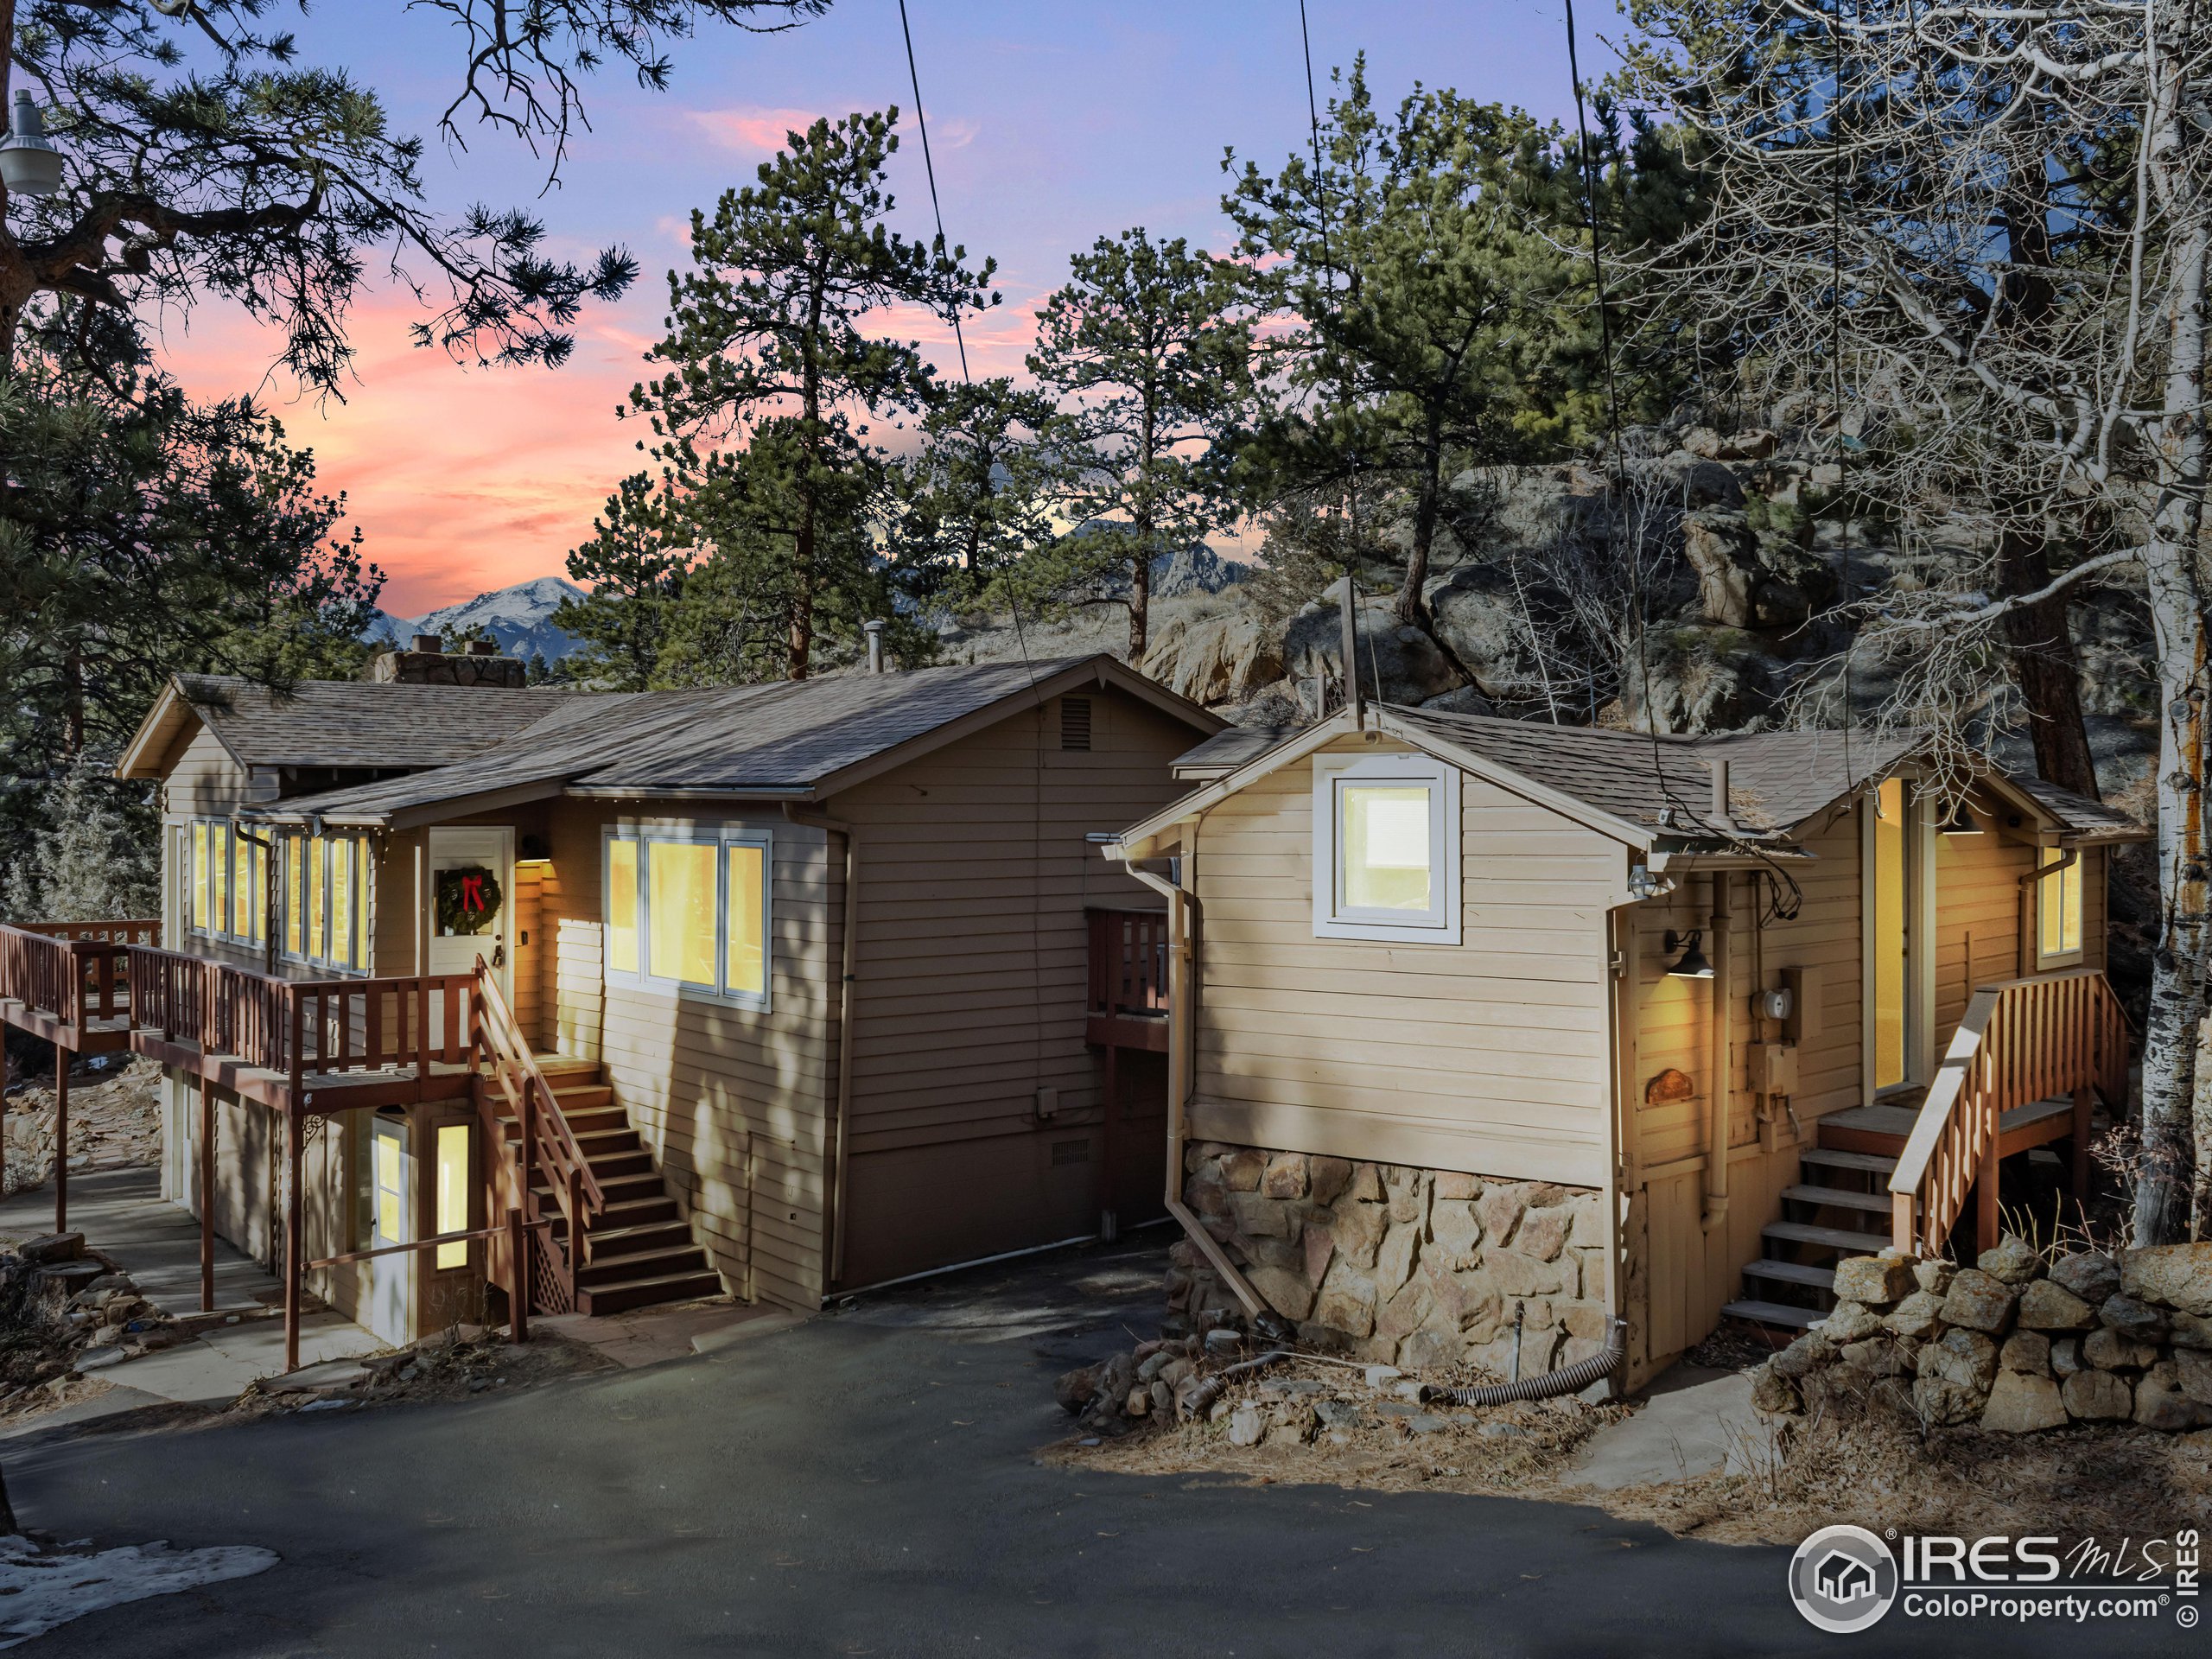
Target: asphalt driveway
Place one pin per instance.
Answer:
(864, 1484)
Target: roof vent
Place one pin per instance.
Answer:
(1075, 722)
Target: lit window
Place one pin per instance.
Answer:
(622, 906)
(201, 916)
(2059, 904)
(218, 875)
(453, 1191)
(747, 920)
(318, 851)
(341, 903)
(1386, 849)
(392, 1194)
(295, 896)
(693, 914)
(680, 882)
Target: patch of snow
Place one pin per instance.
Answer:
(41, 1590)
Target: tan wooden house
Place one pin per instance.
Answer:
(782, 989)
(1610, 1025)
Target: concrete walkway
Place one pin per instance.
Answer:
(121, 1213)
(1695, 1420)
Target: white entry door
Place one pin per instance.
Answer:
(468, 905)
(390, 1278)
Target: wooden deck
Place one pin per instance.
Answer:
(1884, 1128)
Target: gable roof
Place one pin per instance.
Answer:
(1642, 790)
(374, 726)
(788, 740)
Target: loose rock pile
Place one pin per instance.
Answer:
(65, 1311)
(1299, 1399)
(2012, 1344)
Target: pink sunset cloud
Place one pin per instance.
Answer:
(748, 127)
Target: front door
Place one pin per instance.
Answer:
(469, 906)
(1900, 907)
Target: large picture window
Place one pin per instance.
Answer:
(1386, 853)
(227, 885)
(327, 900)
(690, 912)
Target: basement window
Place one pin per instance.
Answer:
(1386, 853)
(690, 912)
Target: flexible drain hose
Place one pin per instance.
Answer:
(1568, 1379)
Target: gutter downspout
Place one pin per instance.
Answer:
(841, 1100)
(1717, 1088)
(1178, 1068)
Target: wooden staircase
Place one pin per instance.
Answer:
(1841, 1194)
(637, 1247)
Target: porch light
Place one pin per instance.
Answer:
(1692, 964)
(1959, 823)
(30, 164)
(532, 850)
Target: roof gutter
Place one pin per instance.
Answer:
(1180, 1073)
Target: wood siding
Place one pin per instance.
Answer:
(1491, 1057)
(972, 969)
(728, 1099)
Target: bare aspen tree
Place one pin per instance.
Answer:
(1971, 239)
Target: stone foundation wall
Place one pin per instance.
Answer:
(1417, 1267)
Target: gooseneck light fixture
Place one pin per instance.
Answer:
(1692, 964)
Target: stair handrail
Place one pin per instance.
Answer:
(545, 1137)
(2020, 1040)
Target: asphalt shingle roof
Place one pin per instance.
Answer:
(348, 723)
(1775, 779)
(779, 738)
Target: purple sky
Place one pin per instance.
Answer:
(1052, 124)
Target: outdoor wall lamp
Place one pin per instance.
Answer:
(1692, 964)
(1959, 823)
(30, 164)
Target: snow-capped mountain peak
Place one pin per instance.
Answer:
(519, 618)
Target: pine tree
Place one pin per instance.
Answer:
(1148, 349)
(766, 338)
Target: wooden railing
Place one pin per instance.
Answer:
(2022, 1041)
(1127, 1000)
(544, 1144)
(70, 971)
(300, 1026)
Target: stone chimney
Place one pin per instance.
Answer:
(429, 663)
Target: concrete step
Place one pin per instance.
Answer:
(1835, 1238)
(1774, 1313)
(1875, 1203)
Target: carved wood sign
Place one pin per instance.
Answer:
(1669, 1084)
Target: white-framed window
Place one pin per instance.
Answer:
(225, 882)
(325, 880)
(2058, 909)
(690, 911)
(1386, 849)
